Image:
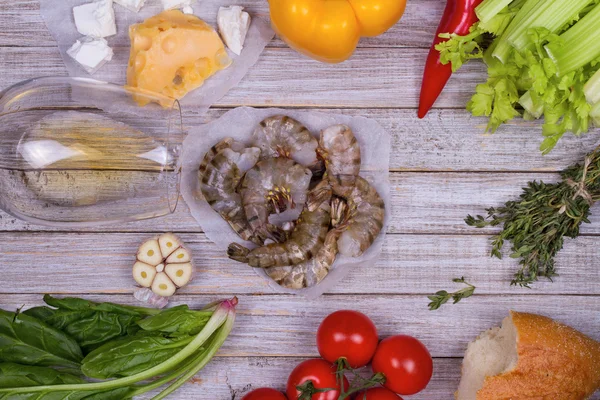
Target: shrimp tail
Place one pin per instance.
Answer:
(238, 252)
(277, 234)
(341, 213)
(316, 197)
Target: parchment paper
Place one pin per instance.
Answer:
(58, 16)
(239, 124)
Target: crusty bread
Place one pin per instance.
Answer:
(530, 357)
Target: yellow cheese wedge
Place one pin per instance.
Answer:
(173, 53)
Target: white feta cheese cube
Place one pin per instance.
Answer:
(233, 25)
(172, 4)
(92, 53)
(132, 5)
(96, 19)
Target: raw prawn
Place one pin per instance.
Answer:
(221, 177)
(313, 271)
(340, 150)
(304, 242)
(282, 136)
(210, 154)
(366, 218)
(269, 187)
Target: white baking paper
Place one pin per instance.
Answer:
(239, 125)
(58, 16)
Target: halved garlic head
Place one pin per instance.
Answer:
(163, 286)
(144, 274)
(180, 255)
(163, 265)
(180, 274)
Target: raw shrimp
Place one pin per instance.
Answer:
(269, 188)
(367, 213)
(282, 136)
(210, 154)
(221, 177)
(313, 271)
(341, 152)
(304, 242)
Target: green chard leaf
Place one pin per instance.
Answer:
(178, 319)
(27, 340)
(17, 375)
(133, 354)
(90, 324)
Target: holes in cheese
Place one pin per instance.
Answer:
(173, 53)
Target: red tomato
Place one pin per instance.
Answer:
(348, 334)
(264, 394)
(322, 375)
(377, 393)
(405, 362)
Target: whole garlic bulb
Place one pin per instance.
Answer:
(163, 265)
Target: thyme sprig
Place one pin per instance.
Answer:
(537, 224)
(442, 297)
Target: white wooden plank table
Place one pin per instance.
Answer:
(442, 168)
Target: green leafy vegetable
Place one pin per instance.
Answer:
(131, 355)
(537, 224)
(442, 297)
(150, 358)
(15, 375)
(178, 319)
(543, 59)
(90, 324)
(27, 340)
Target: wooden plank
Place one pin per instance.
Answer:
(22, 24)
(422, 203)
(372, 79)
(452, 141)
(409, 264)
(275, 326)
(231, 379)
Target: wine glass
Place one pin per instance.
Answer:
(80, 152)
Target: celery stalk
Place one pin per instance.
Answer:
(595, 114)
(490, 8)
(551, 15)
(581, 44)
(504, 47)
(526, 101)
(592, 89)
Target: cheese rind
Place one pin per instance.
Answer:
(91, 53)
(132, 5)
(96, 19)
(233, 25)
(173, 53)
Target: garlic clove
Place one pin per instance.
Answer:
(149, 252)
(180, 274)
(163, 286)
(180, 255)
(168, 244)
(143, 274)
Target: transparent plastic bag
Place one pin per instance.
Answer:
(239, 125)
(58, 16)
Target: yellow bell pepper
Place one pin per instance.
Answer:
(329, 30)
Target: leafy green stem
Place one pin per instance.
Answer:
(217, 320)
(442, 297)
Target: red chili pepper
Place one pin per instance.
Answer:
(458, 18)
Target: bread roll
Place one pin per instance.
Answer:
(530, 357)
